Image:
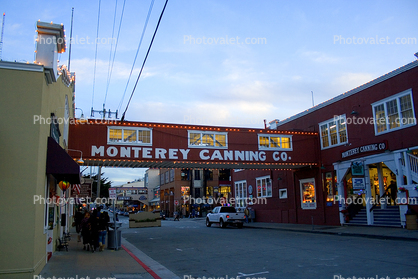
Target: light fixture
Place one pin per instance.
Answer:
(79, 161)
(82, 119)
(354, 112)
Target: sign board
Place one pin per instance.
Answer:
(359, 185)
(368, 148)
(112, 193)
(357, 168)
(176, 202)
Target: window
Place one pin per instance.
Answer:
(274, 142)
(171, 175)
(282, 193)
(138, 136)
(308, 193)
(167, 177)
(197, 175)
(199, 139)
(329, 186)
(264, 187)
(185, 174)
(161, 178)
(241, 193)
(393, 113)
(333, 132)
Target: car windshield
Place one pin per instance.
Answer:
(228, 209)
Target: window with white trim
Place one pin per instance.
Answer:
(136, 136)
(199, 139)
(333, 132)
(241, 193)
(394, 113)
(274, 142)
(308, 193)
(264, 189)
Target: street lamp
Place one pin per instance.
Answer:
(79, 161)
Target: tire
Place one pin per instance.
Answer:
(240, 225)
(222, 223)
(208, 224)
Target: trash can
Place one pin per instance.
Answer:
(111, 235)
(111, 239)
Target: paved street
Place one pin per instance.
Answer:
(189, 248)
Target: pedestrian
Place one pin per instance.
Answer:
(193, 212)
(78, 217)
(393, 191)
(94, 223)
(246, 214)
(103, 228)
(86, 231)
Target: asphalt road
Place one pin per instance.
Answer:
(191, 250)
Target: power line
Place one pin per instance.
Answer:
(137, 51)
(143, 64)
(95, 57)
(110, 53)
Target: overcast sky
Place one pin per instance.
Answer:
(219, 62)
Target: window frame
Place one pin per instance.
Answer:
(275, 148)
(241, 193)
(137, 129)
(261, 178)
(336, 120)
(201, 135)
(384, 102)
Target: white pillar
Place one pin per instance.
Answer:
(381, 186)
(369, 204)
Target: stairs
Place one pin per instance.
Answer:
(389, 217)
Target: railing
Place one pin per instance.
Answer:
(386, 194)
(413, 163)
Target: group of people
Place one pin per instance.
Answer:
(92, 227)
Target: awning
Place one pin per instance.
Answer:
(154, 201)
(60, 165)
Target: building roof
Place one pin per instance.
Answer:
(351, 92)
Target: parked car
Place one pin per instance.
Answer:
(225, 215)
(162, 214)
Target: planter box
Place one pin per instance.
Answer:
(411, 222)
(144, 219)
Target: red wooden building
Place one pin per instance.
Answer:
(368, 142)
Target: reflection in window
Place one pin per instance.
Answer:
(131, 136)
(207, 139)
(333, 132)
(308, 194)
(276, 142)
(264, 187)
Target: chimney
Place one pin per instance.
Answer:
(50, 42)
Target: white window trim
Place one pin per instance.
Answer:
(207, 132)
(283, 193)
(311, 180)
(239, 198)
(256, 186)
(275, 148)
(383, 101)
(336, 118)
(129, 143)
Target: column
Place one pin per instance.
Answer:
(369, 203)
(383, 202)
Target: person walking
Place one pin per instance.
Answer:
(78, 217)
(247, 214)
(103, 227)
(86, 231)
(94, 223)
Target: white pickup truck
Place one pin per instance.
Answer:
(225, 215)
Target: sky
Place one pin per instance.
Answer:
(217, 62)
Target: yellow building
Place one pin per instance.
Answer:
(36, 103)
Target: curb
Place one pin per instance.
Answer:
(374, 236)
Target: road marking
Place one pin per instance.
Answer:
(251, 274)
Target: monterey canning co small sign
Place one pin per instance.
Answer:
(368, 148)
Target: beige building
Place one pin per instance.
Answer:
(36, 103)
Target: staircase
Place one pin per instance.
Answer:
(389, 217)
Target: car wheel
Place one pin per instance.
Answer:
(208, 224)
(222, 224)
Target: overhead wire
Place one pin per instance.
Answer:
(137, 51)
(145, 59)
(116, 47)
(95, 56)
(110, 53)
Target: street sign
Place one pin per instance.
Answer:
(176, 202)
(112, 193)
(77, 188)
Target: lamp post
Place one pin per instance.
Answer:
(79, 161)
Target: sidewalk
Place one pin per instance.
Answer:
(126, 263)
(356, 231)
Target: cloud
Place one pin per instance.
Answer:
(348, 81)
(320, 57)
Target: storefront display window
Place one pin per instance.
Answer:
(308, 193)
(329, 186)
(264, 187)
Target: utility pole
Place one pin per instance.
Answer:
(2, 32)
